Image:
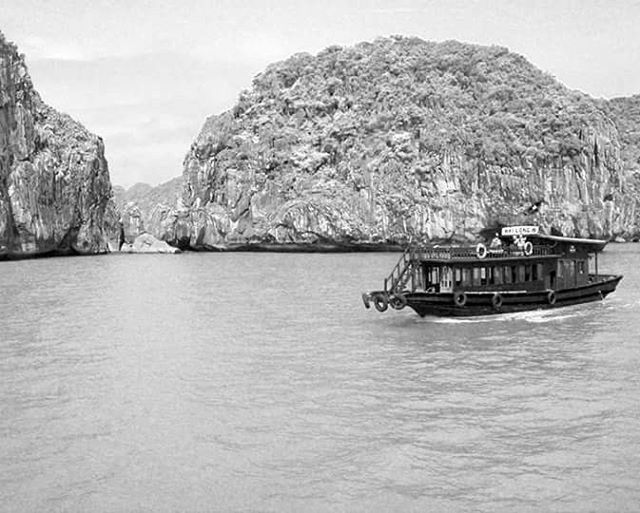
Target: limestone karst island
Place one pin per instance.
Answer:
(364, 147)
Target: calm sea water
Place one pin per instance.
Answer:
(258, 382)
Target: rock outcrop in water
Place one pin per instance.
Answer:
(400, 139)
(147, 243)
(55, 193)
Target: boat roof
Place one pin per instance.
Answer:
(571, 240)
(535, 232)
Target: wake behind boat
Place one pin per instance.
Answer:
(520, 269)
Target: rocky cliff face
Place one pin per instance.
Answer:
(625, 113)
(401, 139)
(55, 193)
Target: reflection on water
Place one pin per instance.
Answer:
(258, 382)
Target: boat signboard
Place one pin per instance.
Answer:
(508, 231)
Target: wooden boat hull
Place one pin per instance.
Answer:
(485, 303)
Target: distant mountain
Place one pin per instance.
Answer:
(55, 193)
(141, 205)
(401, 139)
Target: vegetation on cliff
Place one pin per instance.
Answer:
(490, 103)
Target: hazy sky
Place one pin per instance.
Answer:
(145, 74)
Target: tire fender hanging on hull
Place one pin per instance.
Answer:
(380, 302)
(398, 301)
(460, 299)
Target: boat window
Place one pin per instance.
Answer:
(476, 276)
(570, 273)
(427, 275)
(514, 275)
(507, 274)
(527, 272)
(458, 276)
(539, 271)
(520, 273)
(581, 266)
(445, 278)
(483, 276)
(497, 275)
(466, 276)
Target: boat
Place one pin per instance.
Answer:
(520, 269)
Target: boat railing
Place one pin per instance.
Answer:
(405, 268)
(483, 252)
(401, 273)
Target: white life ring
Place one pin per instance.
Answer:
(481, 250)
(528, 248)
